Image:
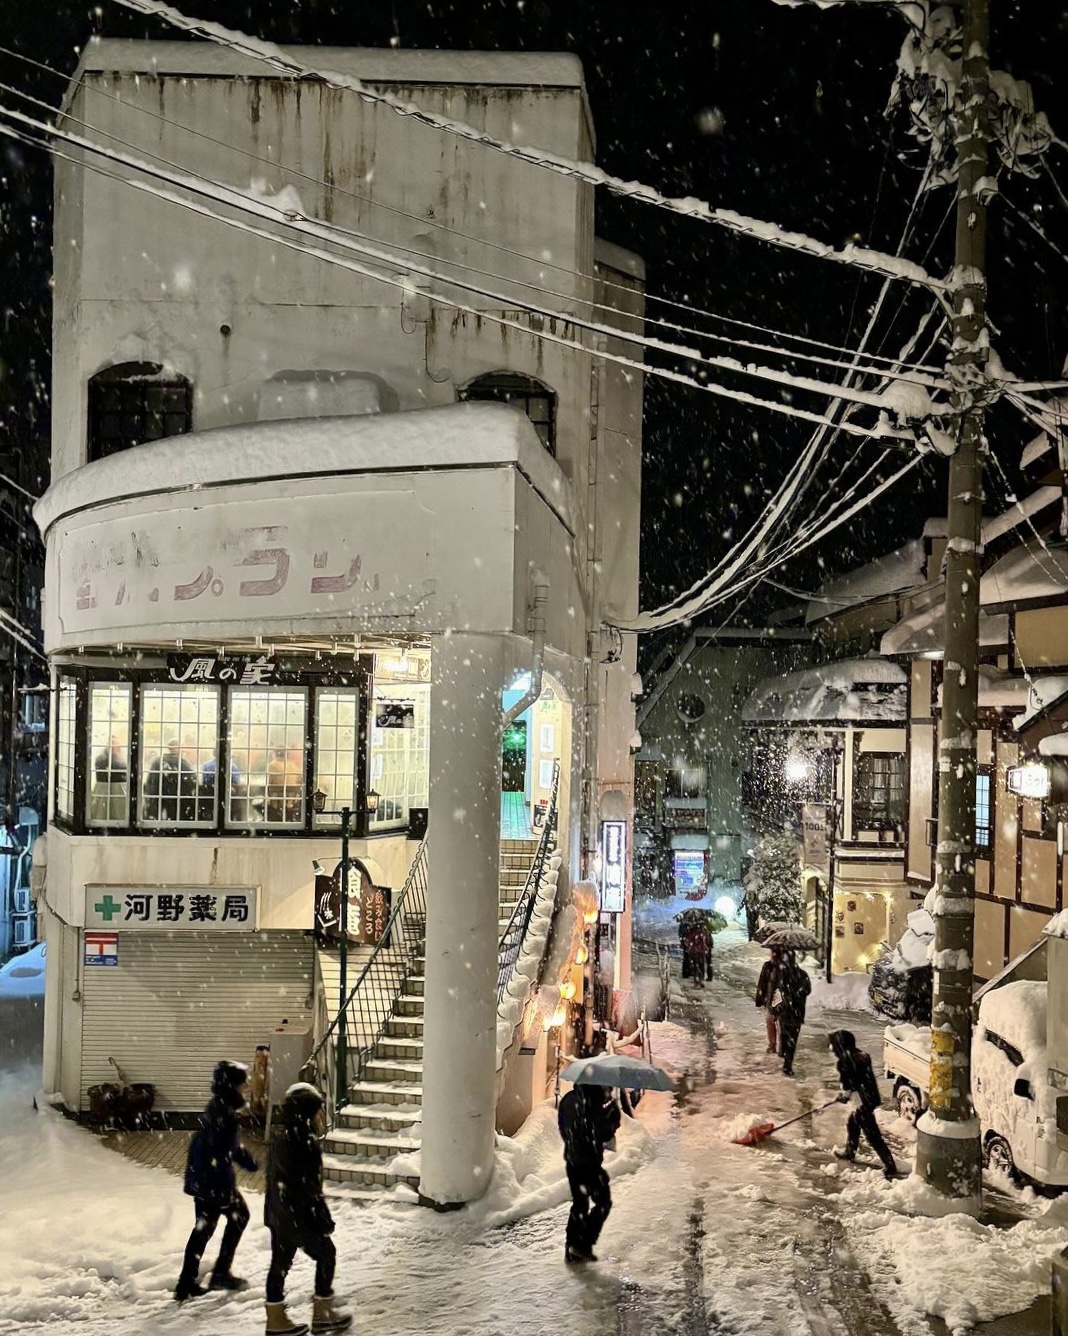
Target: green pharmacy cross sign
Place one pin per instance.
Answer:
(108, 908)
(172, 908)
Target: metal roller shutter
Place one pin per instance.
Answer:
(177, 1003)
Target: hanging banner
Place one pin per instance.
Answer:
(814, 835)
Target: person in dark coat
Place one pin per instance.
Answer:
(170, 786)
(794, 988)
(296, 1213)
(589, 1118)
(210, 1181)
(766, 989)
(859, 1087)
(696, 945)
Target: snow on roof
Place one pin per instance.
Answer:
(1045, 692)
(1055, 745)
(999, 691)
(889, 574)
(460, 435)
(1035, 450)
(936, 527)
(1031, 571)
(854, 690)
(923, 632)
(1019, 511)
(535, 69)
(1017, 1012)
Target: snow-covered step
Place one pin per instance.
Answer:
(386, 1092)
(394, 1070)
(371, 1143)
(403, 1026)
(382, 1117)
(409, 1004)
(399, 1046)
(371, 1194)
(385, 1173)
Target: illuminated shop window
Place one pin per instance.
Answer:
(107, 754)
(179, 746)
(266, 781)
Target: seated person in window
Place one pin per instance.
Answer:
(170, 786)
(110, 776)
(285, 783)
(238, 791)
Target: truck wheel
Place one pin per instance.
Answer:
(909, 1103)
(997, 1154)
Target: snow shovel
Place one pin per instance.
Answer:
(762, 1130)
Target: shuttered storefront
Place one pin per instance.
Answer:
(177, 1003)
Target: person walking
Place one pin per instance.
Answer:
(296, 1213)
(794, 988)
(589, 1118)
(210, 1181)
(766, 989)
(697, 946)
(859, 1087)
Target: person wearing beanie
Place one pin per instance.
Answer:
(211, 1182)
(296, 1213)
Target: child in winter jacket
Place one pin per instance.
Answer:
(296, 1213)
(210, 1181)
(859, 1087)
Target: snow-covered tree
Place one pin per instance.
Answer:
(773, 883)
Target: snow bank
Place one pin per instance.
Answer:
(852, 690)
(846, 992)
(1017, 1012)
(24, 976)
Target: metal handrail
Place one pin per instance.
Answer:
(372, 998)
(511, 941)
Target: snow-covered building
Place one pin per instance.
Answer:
(340, 475)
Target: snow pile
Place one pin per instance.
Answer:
(1017, 1012)
(1058, 925)
(952, 1267)
(845, 992)
(853, 690)
(735, 1128)
(24, 976)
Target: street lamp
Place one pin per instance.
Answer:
(346, 814)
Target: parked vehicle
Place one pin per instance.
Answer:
(1015, 1104)
(901, 980)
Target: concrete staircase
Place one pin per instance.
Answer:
(516, 858)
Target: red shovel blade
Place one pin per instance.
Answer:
(755, 1134)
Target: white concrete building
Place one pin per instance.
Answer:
(292, 546)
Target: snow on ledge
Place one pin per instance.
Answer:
(484, 435)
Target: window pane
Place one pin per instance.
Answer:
(65, 722)
(336, 735)
(108, 754)
(400, 751)
(265, 786)
(982, 811)
(179, 741)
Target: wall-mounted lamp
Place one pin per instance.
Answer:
(1032, 780)
(371, 801)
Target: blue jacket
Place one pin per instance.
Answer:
(213, 1152)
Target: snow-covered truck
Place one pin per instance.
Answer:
(1019, 1066)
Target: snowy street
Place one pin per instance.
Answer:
(705, 1235)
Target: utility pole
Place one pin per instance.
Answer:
(947, 1148)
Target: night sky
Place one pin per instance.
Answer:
(775, 112)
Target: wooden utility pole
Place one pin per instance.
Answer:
(947, 1149)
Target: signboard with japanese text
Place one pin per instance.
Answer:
(101, 948)
(613, 866)
(253, 671)
(199, 908)
(814, 835)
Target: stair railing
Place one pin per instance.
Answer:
(511, 942)
(373, 997)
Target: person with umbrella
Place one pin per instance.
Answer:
(589, 1118)
(766, 991)
(794, 986)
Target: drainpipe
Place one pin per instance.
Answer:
(537, 661)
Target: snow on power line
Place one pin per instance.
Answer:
(892, 266)
(257, 205)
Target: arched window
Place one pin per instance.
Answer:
(136, 402)
(534, 399)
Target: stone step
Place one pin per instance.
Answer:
(370, 1144)
(405, 1027)
(409, 1004)
(414, 984)
(395, 1071)
(370, 1194)
(399, 1046)
(373, 1092)
(381, 1117)
(363, 1171)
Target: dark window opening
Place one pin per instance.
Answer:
(136, 402)
(524, 393)
(879, 791)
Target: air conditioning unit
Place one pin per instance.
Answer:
(25, 930)
(22, 901)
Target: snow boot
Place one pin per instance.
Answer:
(188, 1289)
(226, 1280)
(843, 1153)
(279, 1322)
(573, 1255)
(325, 1317)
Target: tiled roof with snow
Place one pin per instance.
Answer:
(852, 691)
(1031, 571)
(888, 575)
